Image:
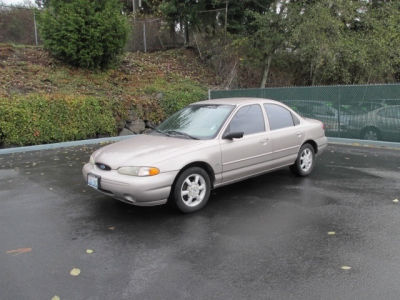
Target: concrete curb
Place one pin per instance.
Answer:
(364, 143)
(63, 144)
(331, 140)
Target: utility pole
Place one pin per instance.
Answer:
(133, 6)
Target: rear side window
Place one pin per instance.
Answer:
(248, 119)
(278, 116)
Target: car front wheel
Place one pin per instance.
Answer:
(191, 190)
(305, 161)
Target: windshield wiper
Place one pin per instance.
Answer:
(175, 132)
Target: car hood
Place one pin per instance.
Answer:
(144, 150)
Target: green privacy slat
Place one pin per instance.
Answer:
(362, 111)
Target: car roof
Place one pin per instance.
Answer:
(237, 101)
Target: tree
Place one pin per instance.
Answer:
(265, 34)
(84, 33)
(348, 42)
(42, 3)
(182, 12)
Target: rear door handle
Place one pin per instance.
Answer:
(264, 141)
(299, 133)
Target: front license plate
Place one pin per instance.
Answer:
(93, 181)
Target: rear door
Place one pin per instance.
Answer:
(245, 157)
(286, 134)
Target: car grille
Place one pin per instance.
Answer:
(103, 167)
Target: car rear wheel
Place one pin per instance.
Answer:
(191, 190)
(305, 161)
(371, 134)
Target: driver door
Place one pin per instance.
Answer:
(248, 155)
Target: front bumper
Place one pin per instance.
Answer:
(142, 191)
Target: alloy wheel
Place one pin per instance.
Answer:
(193, 190)
(306, 159)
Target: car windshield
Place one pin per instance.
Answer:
(196, 121)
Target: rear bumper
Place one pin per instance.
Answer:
(142, 191)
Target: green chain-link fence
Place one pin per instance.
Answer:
(369, 112)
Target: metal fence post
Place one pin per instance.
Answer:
(34, 24)
(339, 111)
(144, 36)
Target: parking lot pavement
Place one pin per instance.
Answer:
(272, 237)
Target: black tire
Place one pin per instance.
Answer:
(301, 167)
(371, 133)
(181, 187)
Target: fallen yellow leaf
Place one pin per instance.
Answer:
(331, 233)
(75, 272)
(111, 227)
(345, 268)
(396, 200)
(89, 251)
(19, 251)
(55, 297)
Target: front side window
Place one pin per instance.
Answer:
(199, 121)
(248, 119)
(278, 116)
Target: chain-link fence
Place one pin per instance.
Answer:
(369, 112)
(152, 34)
(18, 25)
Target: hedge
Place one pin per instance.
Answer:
(176, 95)
(38, 119)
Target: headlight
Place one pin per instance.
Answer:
(91, 160)
(139, 171)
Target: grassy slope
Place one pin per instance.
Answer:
(25, 70)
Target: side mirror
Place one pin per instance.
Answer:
(233, 135)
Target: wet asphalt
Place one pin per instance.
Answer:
(264, 238)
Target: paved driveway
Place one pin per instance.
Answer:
(265, 238)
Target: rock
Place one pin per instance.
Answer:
(125, 131)
(147, 130)
(136, 126)
(132, 116)
(121, 124)
(159, 96)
